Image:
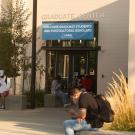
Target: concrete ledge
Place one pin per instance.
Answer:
(103, 132)
(16, 102)
(52, 101)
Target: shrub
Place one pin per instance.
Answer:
(39, 98)
(122, 101)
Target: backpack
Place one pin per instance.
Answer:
(92, 116)
(106, 114)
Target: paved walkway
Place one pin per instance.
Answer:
(46, 121)
(32, 122)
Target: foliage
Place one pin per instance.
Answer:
(13, 22)
(122, 101)
(5, 61)
(39, 98)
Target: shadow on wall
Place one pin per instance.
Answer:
(113, 37)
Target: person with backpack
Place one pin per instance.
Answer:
(87, 116)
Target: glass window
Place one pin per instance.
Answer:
(92, 62)
(66, 43)
(48, 43)
(51, 60)
(91, 43)
(72, 43)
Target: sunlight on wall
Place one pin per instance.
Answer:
(131, 59)
(70, 8)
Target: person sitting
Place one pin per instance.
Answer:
(87, 83)
(56, 89)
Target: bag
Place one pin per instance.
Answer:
(106, 114)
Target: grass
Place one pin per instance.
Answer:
(121, 99)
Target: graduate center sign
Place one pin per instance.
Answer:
(68, 30)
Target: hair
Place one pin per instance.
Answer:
(73, 90)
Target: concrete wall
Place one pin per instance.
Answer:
(113, 17)
(131, 59)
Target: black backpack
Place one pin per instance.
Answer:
(106, 114)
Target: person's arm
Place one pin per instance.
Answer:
(82, 113)
(73, 113)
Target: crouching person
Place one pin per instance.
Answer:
(86, 119)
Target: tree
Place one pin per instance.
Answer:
(6, 52)
(14, 17)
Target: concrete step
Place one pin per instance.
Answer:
(104, 132)
(52, 101)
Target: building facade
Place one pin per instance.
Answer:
(113, 35)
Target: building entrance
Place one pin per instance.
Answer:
(71, 50)
(70, 64)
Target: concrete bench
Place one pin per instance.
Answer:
(52, 101)
(16, 102)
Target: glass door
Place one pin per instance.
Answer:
(80, 64)
(69, 64)
(63, 69)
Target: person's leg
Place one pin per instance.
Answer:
(87, 127)
(69, 126)
(2, 101)
(72, 126)
(62, 96)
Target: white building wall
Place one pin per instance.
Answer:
(131, 59)
(113, 17)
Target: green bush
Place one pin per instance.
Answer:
(39, 98)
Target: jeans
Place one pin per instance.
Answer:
(71, 126)
(62, 96)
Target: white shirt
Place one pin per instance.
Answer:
(3, 86)
(55, 86)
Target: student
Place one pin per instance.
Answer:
(87, 83)
(87, 116)
(56, 89)
(4, 88)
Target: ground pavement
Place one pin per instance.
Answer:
(45, 121)
(32, 122)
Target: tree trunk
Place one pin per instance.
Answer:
(14, 68)
(14, 85)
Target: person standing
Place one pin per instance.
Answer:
(4, 89)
